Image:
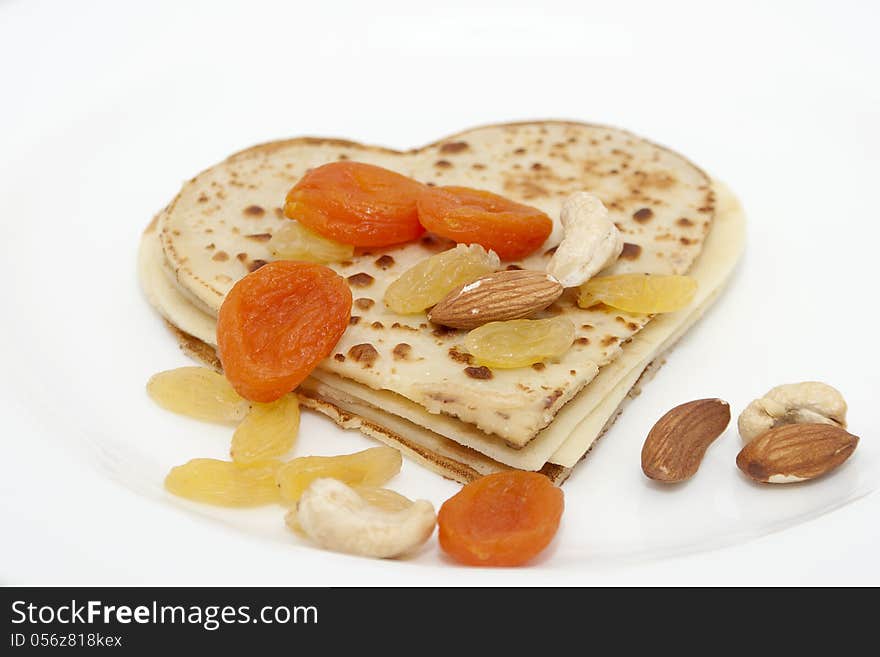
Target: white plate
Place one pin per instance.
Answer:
(106, 123)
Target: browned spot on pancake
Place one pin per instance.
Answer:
(441, 397)
(279, 213)
(443, 331)
(354, 319)
(477, 166)
(524, 187)
(377, 325)
(643, 215)
(655, 179)
(481, 372)
(256, 264)
(254, 211)
(582, 341)
(203, 198)
(707, 209)
(686, 241)
(503, 416)
(538, 366)
(519, 151)
(220, 256)
(401, 351)
(361, 279)
(363, 353)
(587, 327)
(405, 327)
(620, 320)
(342, 156)
(609, 340)
(552, 397)
(513, 267)
(460, 356)
(632, 326)
(339, 357)
(537, 166)
(431, 183)
(443, 164)
(364, 303)
(630, 251)
(454, 147)
(550, 251)
(572, 372)
(210, 247)
(259, 237)
(684, 222)
(241, 257)
(176, 233)
(384, 262)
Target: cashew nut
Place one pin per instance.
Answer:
(337, 518)
(591, 241)
(810, 402)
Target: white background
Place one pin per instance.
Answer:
(106, 107)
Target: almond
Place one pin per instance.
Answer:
(796, 452)
(504, 295)
(675, 445)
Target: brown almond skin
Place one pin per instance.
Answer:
(676, 444)
(805, 451)
(504, 295)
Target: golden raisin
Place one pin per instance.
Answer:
(198, 392)
(639, 293)
(296, 242)
(224, 483)
(519, 342)
(269, 430)
(371, 467)
(427, 282)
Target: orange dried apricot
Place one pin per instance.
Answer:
(277, 324)
(475, 216)
(356, 203)
(503, 519)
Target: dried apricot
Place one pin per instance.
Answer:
(198, 392)
(293, 241)
(519, 342)
(277, 324)
(475, 216)
(639, 293)
(371, 467)
(431, 279)
(269, 430)
(356, 203)
(224, 483)
(503, 519)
